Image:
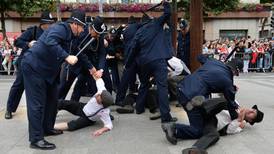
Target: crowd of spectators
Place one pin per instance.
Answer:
(257, 55)
(8, 57)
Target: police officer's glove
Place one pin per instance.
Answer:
(72, 59)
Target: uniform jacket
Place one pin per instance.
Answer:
(150, 42)
(32, 33)
(212, 77)
(128, 35)
(50, 51)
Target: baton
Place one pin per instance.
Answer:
(84, 47)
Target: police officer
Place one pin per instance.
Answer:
(41, 66)
(150, 49)
(183, 39)
(26, 40)
(113, 39)
(96, 54)
(70, 72)
(212, 77)
(129, 75)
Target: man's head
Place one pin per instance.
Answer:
(77, 22)
(254, 115)
(235, 65)
(106, 98)
(46, 19)
(97, 27)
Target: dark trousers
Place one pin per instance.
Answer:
(75, 108)
(114, 73)
(65, 83)
(195, 128)
(41, 103)
(157, 69)
(210, 134)
(16, 90)
(127, 81)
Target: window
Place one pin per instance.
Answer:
(232, 34)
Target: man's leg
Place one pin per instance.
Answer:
(36, 91)
(159, 68)
(79, 123)
(16, 92)
(195, 129)
(210, 134)
(73, 107)
(144, 79)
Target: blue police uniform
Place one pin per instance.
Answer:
(212, 77)
(17, 88)
(96, 54)
(150, 50)
(129, 75)
(183, 48)
(70, 72)
(41, 66)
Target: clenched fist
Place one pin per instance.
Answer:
(72, 59)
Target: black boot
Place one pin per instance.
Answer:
(8, 115)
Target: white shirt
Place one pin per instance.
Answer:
(225, 119)
(92, 107)
(178, 65)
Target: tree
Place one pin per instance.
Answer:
(266, 1)
(214, 6)
(24, 8)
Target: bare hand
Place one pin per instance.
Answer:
(98, 132)
(72, 59)
(98, 74)
(92, 71)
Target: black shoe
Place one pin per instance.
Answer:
(42, 145)
(140, 112)
(169, 129)
(125, 109)
(111, 117)
(194, 151)
(53, 132)
(8, 115)
(154, 116)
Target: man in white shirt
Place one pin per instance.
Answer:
(96, 109)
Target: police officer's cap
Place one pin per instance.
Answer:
(183, 24)
(78, 17)
(98, 25)
(259, 117)
(46, 18)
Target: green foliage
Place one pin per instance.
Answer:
(266, 1)
(214, 6)
(26, 7)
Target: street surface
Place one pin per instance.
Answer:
(136, 134)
